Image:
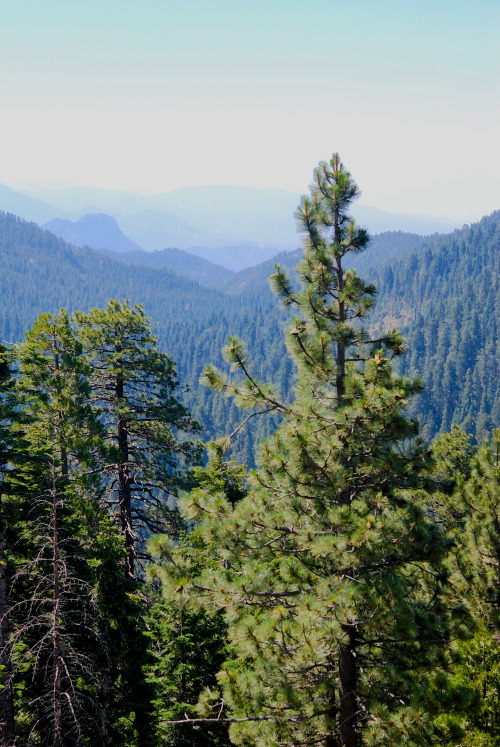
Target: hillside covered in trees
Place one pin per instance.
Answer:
(440, 291)
(446, 301)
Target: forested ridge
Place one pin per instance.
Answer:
(342, 593)
(41, 273)
(441, 293)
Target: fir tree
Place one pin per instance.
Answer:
(329, 570)
(52, 605)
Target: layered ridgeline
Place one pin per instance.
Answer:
(441, 293)
(178, 261)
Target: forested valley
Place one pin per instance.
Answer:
(301, 549)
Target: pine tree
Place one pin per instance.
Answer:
(329, 570)
(147, 430)
(133, 388)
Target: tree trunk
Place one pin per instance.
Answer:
(348, 701)
(64, 453)
(340, 356)
(124, 492)
(331, 739)
(56, 636)
(7, 722)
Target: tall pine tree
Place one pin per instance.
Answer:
(150, 451)
(329, 570)
(146, 425)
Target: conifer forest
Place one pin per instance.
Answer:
(264, 513)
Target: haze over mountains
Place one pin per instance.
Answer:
(28, 207)
(236, 227)
(99, 231)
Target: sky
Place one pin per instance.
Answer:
(152, 95)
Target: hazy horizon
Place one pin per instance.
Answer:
(155, 96)
(34, 188)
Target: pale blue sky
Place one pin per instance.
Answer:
(149, 95)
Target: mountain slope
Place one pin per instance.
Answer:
(26, 206)
(182, 263)
(446, 300)
(41, 273)
(98, 231)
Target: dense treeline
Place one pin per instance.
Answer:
(344, 593)
(446, 300)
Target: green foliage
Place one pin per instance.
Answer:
(189, 643)
(453, 453)
(188, 648)
(480, 543)
(470, 695)
(466, 694)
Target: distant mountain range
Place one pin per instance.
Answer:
(98, 231)
(27, 206)
(228, 225)
(154, 231)
(382, 247)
